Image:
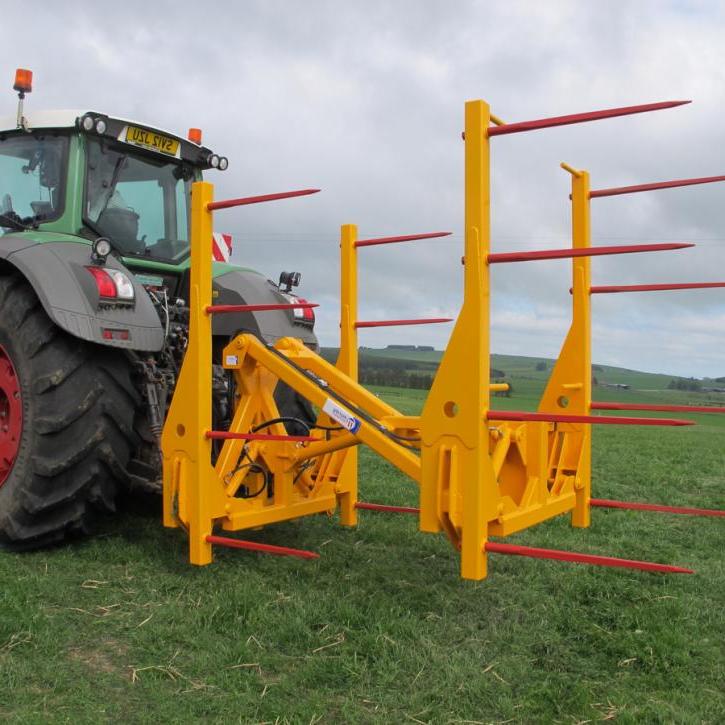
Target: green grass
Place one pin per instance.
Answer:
(381, 628)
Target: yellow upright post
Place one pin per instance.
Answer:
(459, 492)
(188, 474)
(581, 301)
(569, 389)
(347, 362)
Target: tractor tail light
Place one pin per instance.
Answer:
(23, 80)
(112, 284)
(124, 286)
(104, 283)
(111, 334)
(304, 314)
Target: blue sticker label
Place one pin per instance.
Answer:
(341, 416)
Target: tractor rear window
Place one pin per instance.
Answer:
(32, 172)
(138, 201)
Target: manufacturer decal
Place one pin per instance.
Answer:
(341, 416)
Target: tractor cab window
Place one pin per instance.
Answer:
(32, 172)
(138, 201)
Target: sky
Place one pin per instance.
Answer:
(364, 99)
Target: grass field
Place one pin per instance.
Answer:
(381, 628)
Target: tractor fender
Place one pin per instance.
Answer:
(68, 293)
(246, 287)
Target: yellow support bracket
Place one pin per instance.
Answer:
(347, 362)
(478, 478)
(569, 389)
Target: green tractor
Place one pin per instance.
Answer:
(94, 283)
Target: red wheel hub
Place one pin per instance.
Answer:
(11, 415)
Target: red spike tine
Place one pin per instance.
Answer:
(569, 252)
(658, 408)
(557, 554)
(634, 506)
(215, 309)
(616, 190)
(396, 323)
(405, 238)
(228, 203)
(262, 548)
(611, 289)
(386, 508)
(225, 435)
(515, 415)
(580, 117)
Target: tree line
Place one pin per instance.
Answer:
(685, 384)
(397, 373)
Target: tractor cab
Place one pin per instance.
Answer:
(92, 175)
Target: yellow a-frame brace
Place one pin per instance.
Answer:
(478, 477)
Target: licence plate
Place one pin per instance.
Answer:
(148, 280)
(151, 140)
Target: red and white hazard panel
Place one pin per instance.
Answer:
(221, 247)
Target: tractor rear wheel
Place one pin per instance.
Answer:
(66, 424)
(292, 405)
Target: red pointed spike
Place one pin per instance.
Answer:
(228, 203)
(617, 190)
(612, 289)
(658, 408)
(405, 238)
(580, 117)
(216, 309)
(396, 323)
(262, 548)
(569, 252)
(557, 554)
(515, 415)
(386, 508)
(634, 506)
(225, 435)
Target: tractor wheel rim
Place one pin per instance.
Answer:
(11, 415)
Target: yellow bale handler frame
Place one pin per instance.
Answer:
(481, 473)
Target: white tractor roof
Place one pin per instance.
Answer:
(63, 118)
(42, 119)
(117, 128)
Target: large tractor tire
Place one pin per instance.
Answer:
(293, 406)
(66, 424)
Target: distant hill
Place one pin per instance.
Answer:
(413, 370)
(513, 366)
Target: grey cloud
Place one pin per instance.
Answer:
(365, 100)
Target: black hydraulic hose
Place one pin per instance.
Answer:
(400, 440)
